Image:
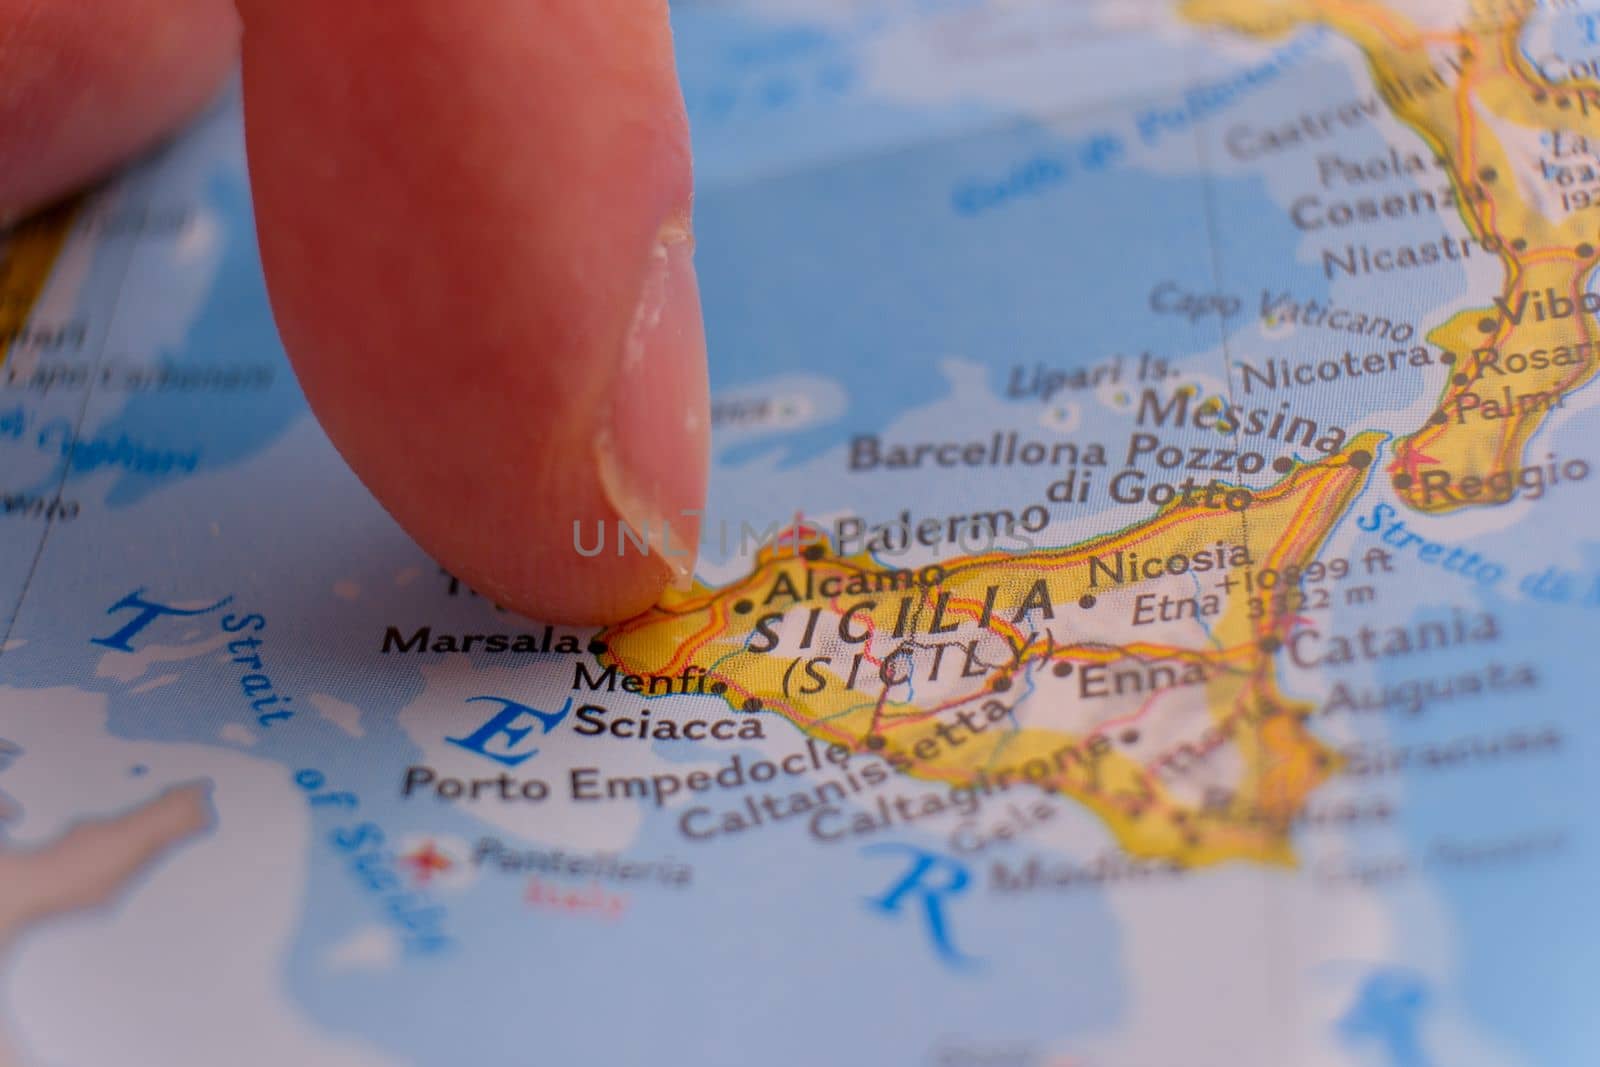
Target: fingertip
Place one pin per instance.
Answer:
(581, 591)
(462, 226)
(86, 86)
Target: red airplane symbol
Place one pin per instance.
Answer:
(426, 862)
(1412, 457)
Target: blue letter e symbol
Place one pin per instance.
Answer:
(505, 725)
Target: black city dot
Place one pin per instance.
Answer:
(1361, 459)
(753, 704)
(1438, 418)
(1459, 378)
(1540, 96)
(597, 648)
(1270, 644)
(1447, 358)
(1086, 601)
(813, 552)
(1488, 174)
(718, 688)
(875, 742)
(1563, 101)
(1061, 670)
(1518, 244)
(1130, 736)
(1402, 481)
(1283, 464)
(743, 607)
(1585, 250)
(1487, 326)
(1001, 684)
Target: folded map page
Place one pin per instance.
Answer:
(1143, 615)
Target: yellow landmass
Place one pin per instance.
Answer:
(27, 255)
(1471, 450)
(1012, 625)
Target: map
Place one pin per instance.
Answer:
(1144, 613)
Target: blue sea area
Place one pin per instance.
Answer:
(1013, 247)
(766, 95)
(235, 328)
(678, 967)
(1521, 926)
(202, 431)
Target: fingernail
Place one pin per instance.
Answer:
(652, 456)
